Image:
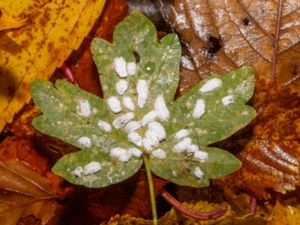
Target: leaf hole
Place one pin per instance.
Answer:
(136, 56)
(246, 21)
(213, 46)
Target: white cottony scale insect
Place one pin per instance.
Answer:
(142, 91)
(104, 125)
(200, 155)
(182, 133)
(193, 148)
(114, 104)
(128, 103)
(198, 173)
(228, 100)
(77, 172)
(84, 108)
(158, 129)
(153, 137)
(122, 154)
(211, 85)
(91, 168)
(149, 117)
(121, 121)
(121, 86)
(183, 145)
(120, 66)
(132, 126)
(136, 152)
(161, 109)
(159, 153)
(135, 138)
(85, 142)
(199, 109)
(131, 68)
(147, 144)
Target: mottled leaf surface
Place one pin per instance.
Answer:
(158, 64)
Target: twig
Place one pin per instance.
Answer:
(68, 74)
(253, 205)
(277, 33)
(193, 213)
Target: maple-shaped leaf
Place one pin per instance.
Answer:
(138, 116)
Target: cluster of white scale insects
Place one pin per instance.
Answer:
(155, 132)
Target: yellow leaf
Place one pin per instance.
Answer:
(285, 215)
(47, 33)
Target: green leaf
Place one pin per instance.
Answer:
(180, 169)
(136, 57)
(112, 171)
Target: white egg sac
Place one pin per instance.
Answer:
(77, 172)
(91, 168)
(199, 109)
(104, 126)
(193, 148)
(182, 133)
(128, 103)
(135, 138)
(149, 117)
(229, 99)
(132, 126)
(210, 85)
(183, 145)
(161, 109)
(142, 91)
(198, 173)
(147, 144)
(153, 137)
(85, 142)
(121, 121)
(131, 68)
(84, 108)
(120, 66)
(121, 154)
(114, 104)
(200, 155)
(135, 152)
(158, 129)
(159, 153)
(121, 86)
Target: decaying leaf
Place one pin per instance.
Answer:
(108, 132)
(38, 36)
(285, 215)
(24, 192)
(223, 35)
(174, 218)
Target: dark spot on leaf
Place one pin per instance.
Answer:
(0, 13)
(246, 21)
(214, 45)
(136, 56)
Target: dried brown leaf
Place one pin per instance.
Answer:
(24, 192)
(220, 36)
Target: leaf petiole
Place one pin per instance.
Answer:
(151, 189)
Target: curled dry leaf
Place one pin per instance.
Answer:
(36, 37)
(221, 35)
(24, 192)
(27, 187)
